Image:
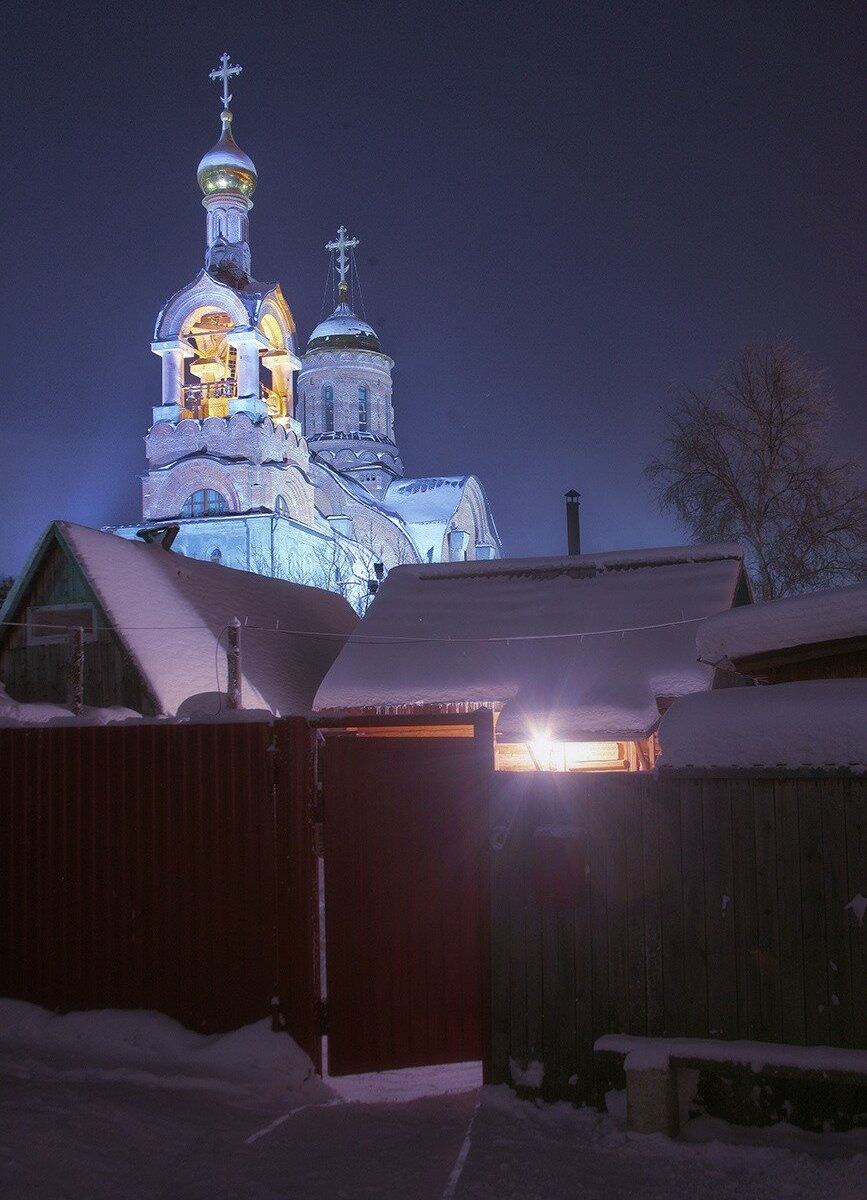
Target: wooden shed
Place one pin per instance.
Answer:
(820, 635)
(576, 657)
(155, 627)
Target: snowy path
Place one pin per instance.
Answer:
(98, 1118)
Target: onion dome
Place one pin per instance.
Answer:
(226, 168)
(343, 330)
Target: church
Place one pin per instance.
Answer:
(276, 461)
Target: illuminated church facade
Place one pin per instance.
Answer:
(279, 462)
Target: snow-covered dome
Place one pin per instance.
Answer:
(226, 168)
(343, 330)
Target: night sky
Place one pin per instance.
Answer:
(565, 211)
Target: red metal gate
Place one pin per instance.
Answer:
(406, 898)
(161, 866)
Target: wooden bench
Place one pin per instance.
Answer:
(662, 1073)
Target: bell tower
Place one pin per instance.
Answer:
(224, 440)
(345, 389)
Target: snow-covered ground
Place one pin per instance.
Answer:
(130, 1105)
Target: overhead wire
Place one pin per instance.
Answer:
(380, 639)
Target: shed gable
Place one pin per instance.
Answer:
(33, 668)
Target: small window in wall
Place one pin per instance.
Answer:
(281, 506)
(205, 503)
(362, 408)
(52, 622)
(328, 407)
(216, 555)
(544, 755)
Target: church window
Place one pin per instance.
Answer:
(216, 555)
(328, 406)
(205, 503)
(362, 408)
(281, 506)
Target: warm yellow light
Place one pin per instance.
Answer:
(209, 370)
(548, 755)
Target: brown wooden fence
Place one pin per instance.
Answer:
(683, 904)
(159, 866)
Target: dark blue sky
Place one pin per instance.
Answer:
(565, 211)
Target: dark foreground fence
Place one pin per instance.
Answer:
(158, 866)
(683, 904)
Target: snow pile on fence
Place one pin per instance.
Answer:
(14, 713)
(574, 648)
(778, 624)
(147, 1047)
(816, 723)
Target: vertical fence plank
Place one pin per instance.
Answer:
(584, 1062)
(767, 913)
(535, 813)
(694, 936)
(558, 1004)
(671, 904)
(517, 868)
(817, 1000)
(653, 932)
(636, 959)
(614, 824)
(838, 961)
(789, 909)
(744, 908)
(722, 991)
(855, 792)
(597, 861)
(501, 965)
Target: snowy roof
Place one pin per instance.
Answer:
(171, 613)
(426, 506)
(814, 723)
(251, 293)
(783, 624)
(343, 329)
(577, 648)
(421, 508)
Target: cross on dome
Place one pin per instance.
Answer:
(341, 245)
(225, 72)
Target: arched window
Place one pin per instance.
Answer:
(362, 408)
(205, 503)
(328, 407)
(216, 555)
(281, 506)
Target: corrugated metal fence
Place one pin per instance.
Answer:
(686, 904)
(157, 866)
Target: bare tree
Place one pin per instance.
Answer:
(746, 460)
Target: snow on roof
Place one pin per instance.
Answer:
(813, 723)
(781, 624)
(172, 613)
(535, 634)
(425, 507)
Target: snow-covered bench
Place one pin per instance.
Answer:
(656, 1070)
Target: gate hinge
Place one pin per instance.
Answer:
(322, 1017)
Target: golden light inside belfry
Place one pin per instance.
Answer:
(209, 370)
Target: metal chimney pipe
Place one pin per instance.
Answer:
(573, 522)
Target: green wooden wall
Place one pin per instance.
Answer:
(37, 672)
(703, 905)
